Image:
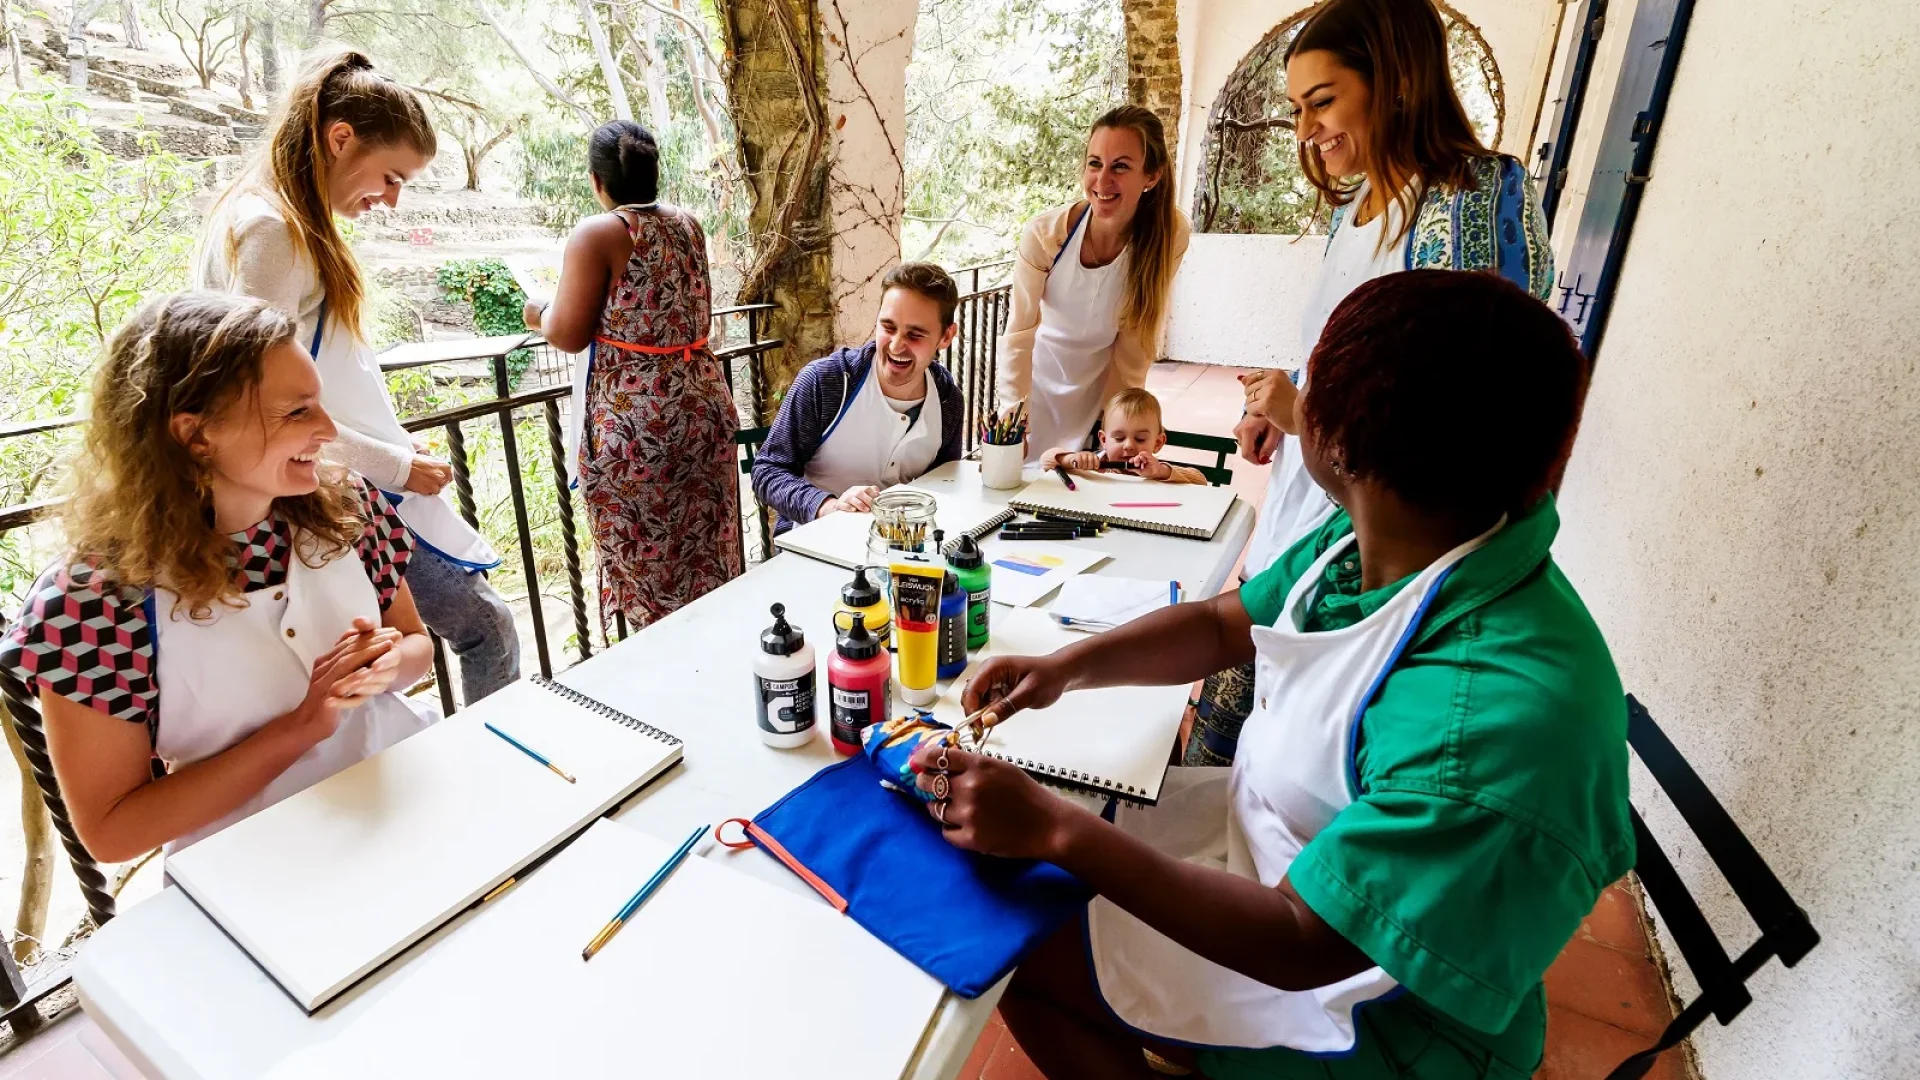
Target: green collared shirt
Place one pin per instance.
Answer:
(1492, 808)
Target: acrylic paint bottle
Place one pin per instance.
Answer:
(859, 683)
(861, 596)
(953, 628)
(783, 684)
(917, 580)
(976, 578)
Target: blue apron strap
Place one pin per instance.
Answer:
(149, 608)
(319, 324)
(1373, 691)
(1071, 229)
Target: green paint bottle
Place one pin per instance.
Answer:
(976, 578)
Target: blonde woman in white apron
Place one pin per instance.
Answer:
(1090, 285)
(231, 608)
(1432, 789)
(348, 139)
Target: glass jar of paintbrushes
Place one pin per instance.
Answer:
(902, 521)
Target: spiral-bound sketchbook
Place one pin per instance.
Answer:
(1113, 741)
(1191, 510)
(325, 886)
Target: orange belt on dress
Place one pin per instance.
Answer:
(685, 351)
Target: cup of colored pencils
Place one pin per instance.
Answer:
(1003, 447)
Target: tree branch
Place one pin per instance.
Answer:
(552, 88)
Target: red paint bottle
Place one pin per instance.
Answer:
(859, 684)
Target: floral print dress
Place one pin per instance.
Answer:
(657, 465)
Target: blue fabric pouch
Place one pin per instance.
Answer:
(963, 918)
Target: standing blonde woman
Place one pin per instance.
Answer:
(348, 138)
(1090, 285)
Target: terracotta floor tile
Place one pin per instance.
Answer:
(1009, 1063)
(1609, 985)
(1165, 377)
(1615, 921)
(1582, 1048)
(990, 1040)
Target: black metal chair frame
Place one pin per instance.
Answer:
(1785, 931)
(1220, 446)
(749, 441)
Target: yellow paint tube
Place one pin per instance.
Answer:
(916, 622)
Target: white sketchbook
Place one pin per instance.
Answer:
(841, 538)
(1026, 572)
(1097, 603)
(1191, 510)
(1112, 741)
(327, 885)
(715, 976)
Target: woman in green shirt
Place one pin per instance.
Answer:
(1431, 791)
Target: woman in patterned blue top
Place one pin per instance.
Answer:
(1385, 140)
(214, 558)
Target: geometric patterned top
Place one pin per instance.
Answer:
(92, 644)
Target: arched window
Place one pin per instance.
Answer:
(1250, 179)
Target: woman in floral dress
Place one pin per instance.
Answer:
(653, 416)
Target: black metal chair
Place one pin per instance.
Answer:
(749, 442)
(1785, 931)
(1220, 446)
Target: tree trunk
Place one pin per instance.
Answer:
(130, 25)
(1153, 63)
(610, 71)
(77, 43)
(777, 86)
(269, 57)
(316, 20)
(657, 71)
(36, 878)
(246, 65)
(12, 33)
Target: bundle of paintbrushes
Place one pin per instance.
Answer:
(1005, 428)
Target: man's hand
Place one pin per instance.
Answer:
(858, 499)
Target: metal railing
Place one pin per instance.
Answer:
(974, 356)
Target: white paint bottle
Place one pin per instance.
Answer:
(783, 678)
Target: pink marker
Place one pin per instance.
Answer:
(1143, 504)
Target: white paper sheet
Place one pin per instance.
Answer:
(1026, 572)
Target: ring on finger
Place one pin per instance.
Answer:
(941, 761)
(939, 808)
(940, 786)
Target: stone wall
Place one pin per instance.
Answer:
(1153, 61)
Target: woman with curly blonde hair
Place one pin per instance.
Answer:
(215, 557)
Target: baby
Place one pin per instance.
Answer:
(1130, 434)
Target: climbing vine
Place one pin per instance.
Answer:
(487, 286)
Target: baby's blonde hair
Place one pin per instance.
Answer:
(1136, 402)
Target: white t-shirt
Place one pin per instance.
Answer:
(1294, 503)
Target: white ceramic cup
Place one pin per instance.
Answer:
(1000, 465)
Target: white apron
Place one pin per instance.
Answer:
(870, 442)
(222, 679)
(1073, 347)
(1293, 772)
(355, 394)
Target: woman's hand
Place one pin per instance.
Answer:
(1270, 396)
(530, 314)
(1007, 684)
(858, 499)
(359, 666)
(428, 475)
(1258, 439)
(987, 805)
(1150, 467)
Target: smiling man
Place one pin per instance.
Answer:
(865, 418)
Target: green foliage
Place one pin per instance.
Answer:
(84, 237)
(553, 174)
(999, 102)
(497, 300)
